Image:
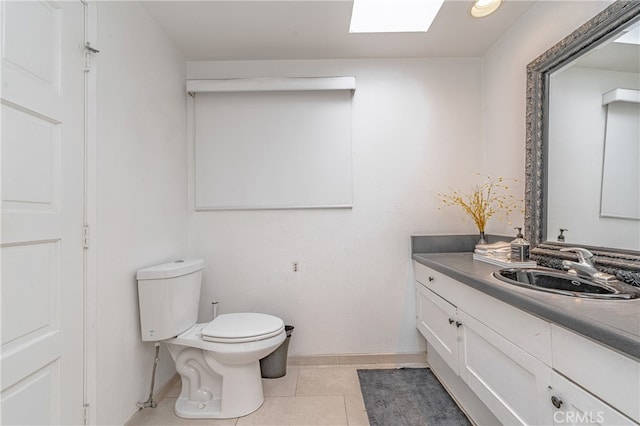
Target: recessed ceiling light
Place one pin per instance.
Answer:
(384, 16)
(482, 8)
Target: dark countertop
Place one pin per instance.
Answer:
(614, 323)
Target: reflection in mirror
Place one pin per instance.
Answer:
(620, 197)
(593, 161)
(571, 181)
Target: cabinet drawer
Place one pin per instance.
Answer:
(442, 285)
(612, 377)
(523, 329)
(575, 406)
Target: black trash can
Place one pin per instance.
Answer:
(274, 365)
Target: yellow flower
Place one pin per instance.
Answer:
(484, 201)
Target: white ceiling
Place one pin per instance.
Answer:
(319, 29)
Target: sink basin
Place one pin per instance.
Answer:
(560, 282)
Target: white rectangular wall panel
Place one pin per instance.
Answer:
(273, 150)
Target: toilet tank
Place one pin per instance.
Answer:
(169, 296)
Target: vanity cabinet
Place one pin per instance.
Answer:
(505, 356)
(508, 380)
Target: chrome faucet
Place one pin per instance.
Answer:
(584, 267)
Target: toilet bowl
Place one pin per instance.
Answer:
(218, 361)
(219, 364)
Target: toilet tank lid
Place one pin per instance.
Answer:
(172, 269)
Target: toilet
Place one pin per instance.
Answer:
(217, 361)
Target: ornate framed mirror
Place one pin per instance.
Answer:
(544, 182)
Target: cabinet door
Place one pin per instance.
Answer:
(575, 406)
(436, 321)
(611, 376)
(512, 383)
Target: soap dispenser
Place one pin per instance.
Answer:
(561, 236)
(519, 248)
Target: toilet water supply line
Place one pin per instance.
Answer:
(150, 402)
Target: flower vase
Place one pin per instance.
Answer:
(482, 240)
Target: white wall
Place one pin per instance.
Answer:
(141, 193)
(504, 81)
(416, 131)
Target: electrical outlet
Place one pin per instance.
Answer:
(296, 267)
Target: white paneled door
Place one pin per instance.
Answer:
(42, 212)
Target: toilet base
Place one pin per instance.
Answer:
(241, 395)
(187, 409)
(219, 380)
(197, 410)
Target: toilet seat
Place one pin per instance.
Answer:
(242, 327)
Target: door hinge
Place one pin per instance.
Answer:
(86, 234)
(86, 414)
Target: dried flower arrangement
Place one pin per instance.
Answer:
(485, 200)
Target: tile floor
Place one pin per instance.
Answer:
(307, 396)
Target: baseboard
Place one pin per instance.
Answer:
(158, 395)
(352, 359)
(164, 390)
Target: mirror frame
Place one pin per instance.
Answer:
(623, 263)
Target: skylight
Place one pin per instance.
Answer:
(385, 16)
(631, 36)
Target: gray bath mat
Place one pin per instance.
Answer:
(408, 397)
